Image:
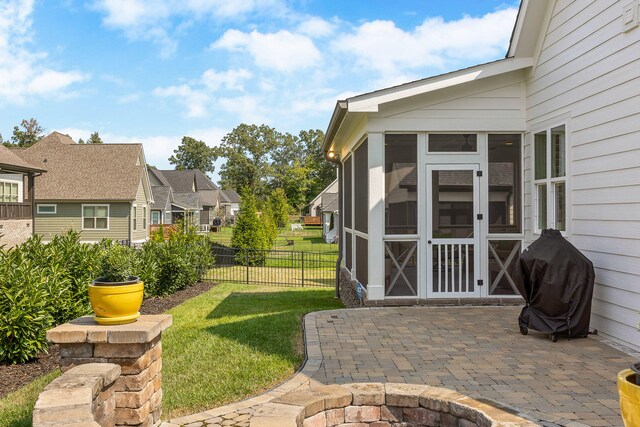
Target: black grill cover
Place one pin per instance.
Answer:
(556, 281)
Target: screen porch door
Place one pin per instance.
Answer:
(452, 231)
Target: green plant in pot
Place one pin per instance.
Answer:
(116, 295)
(629, 391)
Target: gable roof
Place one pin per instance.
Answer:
(231, 196)
(86, 171)
(162, 196)
(183, 181)
(190, 201)
(10, 162)
(331, 188)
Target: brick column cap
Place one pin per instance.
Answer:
(86, 330)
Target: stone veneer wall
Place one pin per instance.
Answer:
(14, 232)
(348, 293)
(84, 395)
(382, 405)
(135, 347)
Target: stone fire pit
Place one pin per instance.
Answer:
(382, 405)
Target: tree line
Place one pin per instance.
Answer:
(259, 159)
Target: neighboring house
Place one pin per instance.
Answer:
(17, 180)
(230, 202)
(101, 190)
(314, 208)
(185, 194)
(325, 205)
(446, 179)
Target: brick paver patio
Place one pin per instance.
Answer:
(477, 351)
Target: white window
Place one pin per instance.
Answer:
(144, 217)
(155, 217)
(167, 217)
(95, 217)
(47, 209)
(135, 218)
(8, 192)
(550, 177)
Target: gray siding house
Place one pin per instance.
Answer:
(100, 190)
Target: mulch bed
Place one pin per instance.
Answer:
(12, 377)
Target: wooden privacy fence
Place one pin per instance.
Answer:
(273, 267)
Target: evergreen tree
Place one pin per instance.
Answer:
(279, 207)
(249, 232)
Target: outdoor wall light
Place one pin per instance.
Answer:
(332, 155)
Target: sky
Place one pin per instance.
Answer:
(153, 71)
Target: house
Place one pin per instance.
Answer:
(230, 203)
(185, 193)
(447, 178)
(325, 206)
(17, 180)
(101, 190)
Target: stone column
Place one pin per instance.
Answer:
(136, 347)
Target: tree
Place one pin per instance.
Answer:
(193, 154)
(279, 207)
(247, 150)
(31, 134)
(249, 232)
(93, 139)
(321, 172)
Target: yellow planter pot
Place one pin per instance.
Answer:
(629, 398)
(116, 305)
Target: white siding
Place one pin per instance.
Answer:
(494, 104)
(588, 76)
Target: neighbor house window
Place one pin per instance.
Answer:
(9, 192)
(155, 217)
(144, 217)
(167, 217)
(135, 218)
(47, 209)
(550, 179)
(95, 217)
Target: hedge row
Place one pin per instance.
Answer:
(43, 285)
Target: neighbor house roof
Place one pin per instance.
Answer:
(231, 196)
(209, 197)
(161, 196)
(187, 201)
(329, 202)
(85, 171)
(187, 180)
(331, 188)
(10, 162)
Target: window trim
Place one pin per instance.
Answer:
(11, 183)
(55, 208)
(95, 205)
(134, 218)
(550, 181)
(144, 217)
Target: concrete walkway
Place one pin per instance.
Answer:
(477, 351)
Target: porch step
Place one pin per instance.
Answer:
(444, 302)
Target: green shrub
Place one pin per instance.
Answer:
(280, 207)
(249, 233)
(116, 263)
(24, 312)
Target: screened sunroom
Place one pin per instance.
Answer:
(433, 186)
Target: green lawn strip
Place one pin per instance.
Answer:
(308, 240)
(233, 342)
(16, 408)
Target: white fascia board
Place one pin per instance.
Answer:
(369, 103)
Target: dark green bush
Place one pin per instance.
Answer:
(116, 263)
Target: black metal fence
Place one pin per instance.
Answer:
(273, 267)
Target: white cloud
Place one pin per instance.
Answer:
(129, 98)
(247, 108)
(281, 51)
(316, 27)
(196, 101)
(231, 79)
(25, 73)
(159, 20)
(390, 50)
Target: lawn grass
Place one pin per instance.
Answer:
(233, 342)
(308, 240)
(16, 408)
